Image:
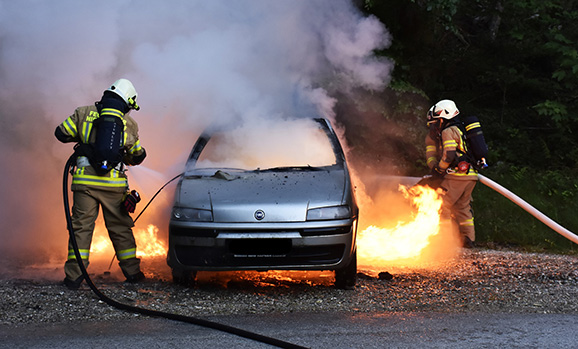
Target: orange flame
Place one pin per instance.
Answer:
(147, 241)
(378, 247)
(100, 243)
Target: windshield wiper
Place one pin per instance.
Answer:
(217, 172)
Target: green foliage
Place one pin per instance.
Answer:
(554, 110)
(498, 220)
(404, 86)
(444, 10)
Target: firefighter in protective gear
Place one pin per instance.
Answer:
(92, 191)
(446, 157)
(125, 90)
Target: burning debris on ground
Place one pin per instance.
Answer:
(477, 280)
(384, 275)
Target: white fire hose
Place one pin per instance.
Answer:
(529, 208)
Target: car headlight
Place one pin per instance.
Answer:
(326, 213)
(191, 215)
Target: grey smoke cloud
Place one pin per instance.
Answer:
(192, 62)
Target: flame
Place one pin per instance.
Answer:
(147, 241)
(408, 243)
(378, 247)
(100, 243)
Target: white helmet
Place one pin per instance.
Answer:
(445, 109)
(125, 89)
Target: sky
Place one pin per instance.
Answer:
(193, 63)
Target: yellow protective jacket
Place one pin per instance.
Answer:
(442, 152)
(77, 128)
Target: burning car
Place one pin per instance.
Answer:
(270, 196)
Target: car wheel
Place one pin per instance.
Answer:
(184, 277)
(346, 277)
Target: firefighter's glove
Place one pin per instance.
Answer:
(130, 201)
(437, 172)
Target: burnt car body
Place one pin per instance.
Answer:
(285, 203)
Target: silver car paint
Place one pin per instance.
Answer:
(284, 196)
(278, 194)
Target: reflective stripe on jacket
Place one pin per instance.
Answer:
(79, 126)
(451, 141)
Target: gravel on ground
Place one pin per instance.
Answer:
(477, 280)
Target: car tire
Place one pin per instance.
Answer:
(345, 278)
(184, 277)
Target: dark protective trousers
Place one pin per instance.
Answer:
(118, 223)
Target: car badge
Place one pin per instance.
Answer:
(259, 215)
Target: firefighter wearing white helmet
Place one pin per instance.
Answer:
(446, 157)
(108, 141)
(125, 89)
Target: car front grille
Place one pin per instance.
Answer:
(259, 253)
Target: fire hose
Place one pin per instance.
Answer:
(144, 311)
(529, 208)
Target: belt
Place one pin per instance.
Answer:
(82, 161)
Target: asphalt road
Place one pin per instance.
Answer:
(322, 330)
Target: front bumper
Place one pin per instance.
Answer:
(298, 246)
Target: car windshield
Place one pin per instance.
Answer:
(286, 144)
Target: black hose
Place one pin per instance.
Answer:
(154, 196)
(144, 311)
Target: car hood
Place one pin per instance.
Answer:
(282, 196)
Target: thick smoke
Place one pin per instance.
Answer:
(193, 63)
